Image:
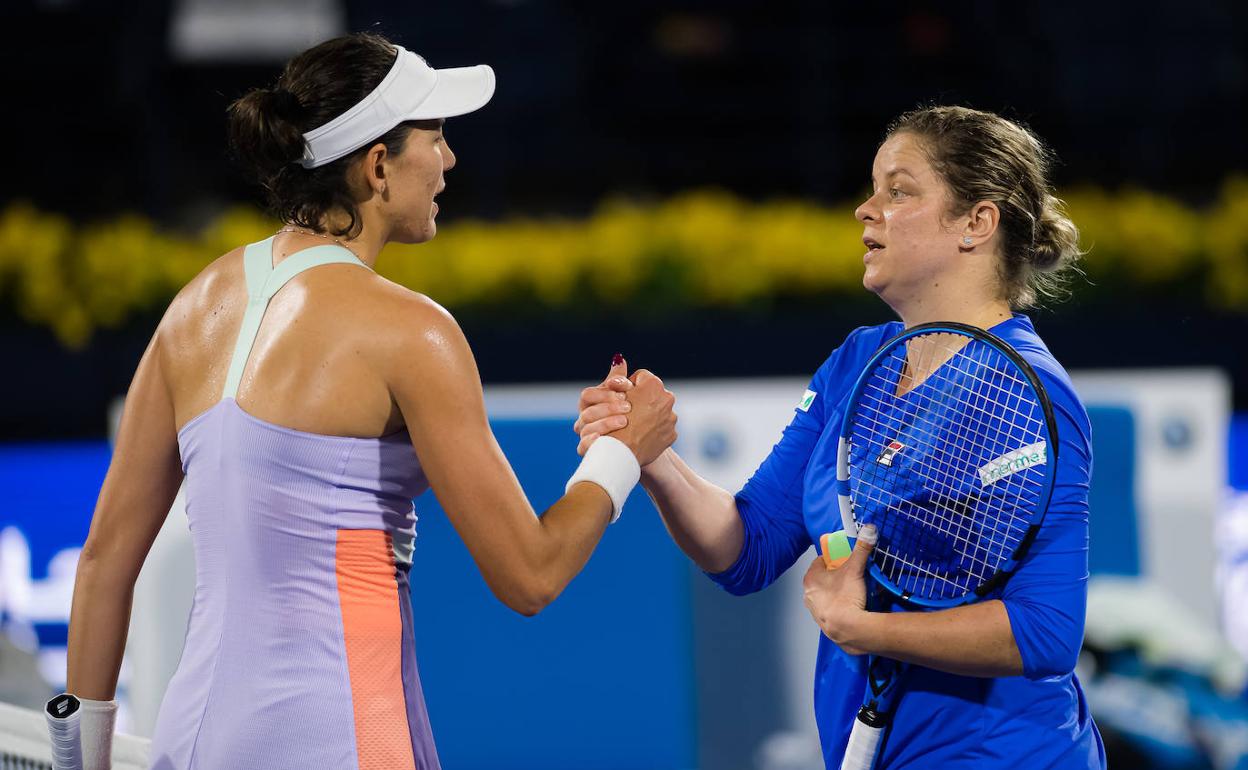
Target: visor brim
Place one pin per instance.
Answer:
(459, 91)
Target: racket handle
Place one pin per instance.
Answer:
(63, 715)
(864, 741)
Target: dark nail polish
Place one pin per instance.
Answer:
(617, 359)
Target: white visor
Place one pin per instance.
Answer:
(412, 90)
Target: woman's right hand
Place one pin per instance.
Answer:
(651, 427)
(636, 410)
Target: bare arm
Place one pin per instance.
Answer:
(526, 560)
(975, 640)
(701, 517)
(142, 481)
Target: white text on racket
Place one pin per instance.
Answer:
(1013, 462)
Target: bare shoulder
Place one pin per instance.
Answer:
(203, 312)
(207, 292)
(412, 319)
(412, 329)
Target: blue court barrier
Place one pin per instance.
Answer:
(602, 678)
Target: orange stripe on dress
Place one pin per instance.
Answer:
(373, 632)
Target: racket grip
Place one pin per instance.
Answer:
(864, 741)
(63, 714)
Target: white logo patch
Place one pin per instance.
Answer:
(890, 451)
(1013, 462)
(808, 398)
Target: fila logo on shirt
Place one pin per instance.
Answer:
(890, 451)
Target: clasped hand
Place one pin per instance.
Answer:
(635, 409)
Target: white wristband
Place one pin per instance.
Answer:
(97, 722)
(610, 464)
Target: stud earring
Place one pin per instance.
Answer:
(967, 240)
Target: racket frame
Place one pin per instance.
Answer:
(875, 717)
(1050, 465)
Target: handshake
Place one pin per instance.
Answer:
(634, 409)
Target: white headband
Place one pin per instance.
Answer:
(412, 90)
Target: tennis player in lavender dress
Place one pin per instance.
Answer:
(306, 400)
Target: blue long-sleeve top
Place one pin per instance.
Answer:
(941, 720)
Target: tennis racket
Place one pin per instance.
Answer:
(949, 448)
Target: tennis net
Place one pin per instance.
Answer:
(25, 745)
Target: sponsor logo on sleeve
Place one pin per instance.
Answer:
(808, 398)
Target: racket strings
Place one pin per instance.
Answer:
(944, 499)
(965, 441)
(881, 396)
(948, 496)
(944, 531)
(969, 544)
(962, 442)
(942, 546)
(985, 407)
(957, 552)
(959, 444)
(965, 547)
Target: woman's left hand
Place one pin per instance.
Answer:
(837, 598)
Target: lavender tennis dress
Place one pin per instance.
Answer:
(299, 652)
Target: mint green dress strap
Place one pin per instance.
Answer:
(263, 281)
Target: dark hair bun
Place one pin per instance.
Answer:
(285, 105)
(265, 129)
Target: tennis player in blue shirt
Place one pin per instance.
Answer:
(961, 226)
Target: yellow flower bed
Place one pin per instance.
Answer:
(710, 248)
